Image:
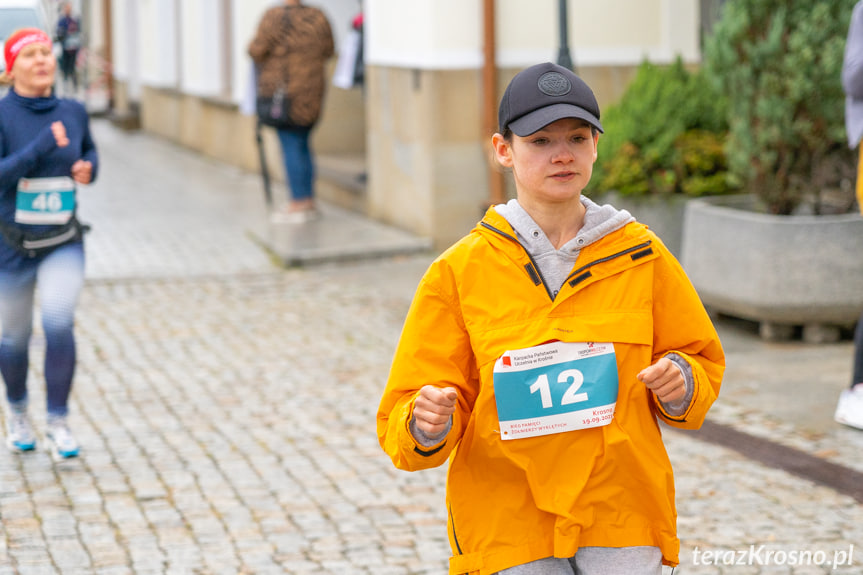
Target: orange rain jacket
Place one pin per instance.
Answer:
(516, 501)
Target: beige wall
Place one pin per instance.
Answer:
(216, 128)
(209, 126)
(342, 128)
(427, 155)
(425, 158)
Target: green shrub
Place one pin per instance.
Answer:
(664, 136)
(702, 163)
(625, 171)
(780, 63)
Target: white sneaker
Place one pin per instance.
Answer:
(296, 217)
(849, 410)
(19, 432)
(60, 440)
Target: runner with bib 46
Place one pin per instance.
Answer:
(46, 151)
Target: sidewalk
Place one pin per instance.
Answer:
(226, 404)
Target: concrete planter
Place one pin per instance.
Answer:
(781, 271)
(662, 214)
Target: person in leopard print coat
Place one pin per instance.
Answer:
(290, 50)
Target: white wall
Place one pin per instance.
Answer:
(94, 27)
(120, 49)
(247, 14)
(157, 31)
(202, 40)
(427, 34)
(126, 66)
(447, 34)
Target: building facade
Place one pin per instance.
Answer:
(419, 125)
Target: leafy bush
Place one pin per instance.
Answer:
(780, 62)
(664, 136)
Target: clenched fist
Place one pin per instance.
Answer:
(665, 380)
(433, 408)
(59, 131)
(82, 171)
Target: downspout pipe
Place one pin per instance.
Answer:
(489, 82)
(108, 33)
(563, 56)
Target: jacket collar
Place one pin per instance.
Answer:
(496, 229)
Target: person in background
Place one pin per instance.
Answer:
(45, 150)
(849, 409)
(539, 356)
(291, 47)
(69, 36)
(358, 25)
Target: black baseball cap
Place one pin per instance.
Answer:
(542, 94)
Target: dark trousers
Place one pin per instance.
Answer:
(67, 66)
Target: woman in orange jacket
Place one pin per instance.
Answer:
(539, 355)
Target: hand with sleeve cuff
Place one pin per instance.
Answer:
(82, 170)
(665, 379)
(433, 409)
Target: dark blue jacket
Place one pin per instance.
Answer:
(28, 150)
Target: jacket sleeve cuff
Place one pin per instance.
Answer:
(703, 396)
(417, 455)
(423, 438)
(679, 407)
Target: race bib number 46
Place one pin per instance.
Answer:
(45, 200)
(555, 387)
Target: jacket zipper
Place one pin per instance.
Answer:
(454, 536)
(530, 257)
(583, 272)
(578, 274)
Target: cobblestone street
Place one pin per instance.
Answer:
(226, 411)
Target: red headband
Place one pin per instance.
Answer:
(21, 38)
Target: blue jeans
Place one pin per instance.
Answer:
(299, 166)
(60, 277)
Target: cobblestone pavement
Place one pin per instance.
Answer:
(226, 412)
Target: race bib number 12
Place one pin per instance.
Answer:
(554, 388)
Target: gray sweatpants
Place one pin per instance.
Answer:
(596, 561)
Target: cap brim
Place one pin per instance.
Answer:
(538, 119)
